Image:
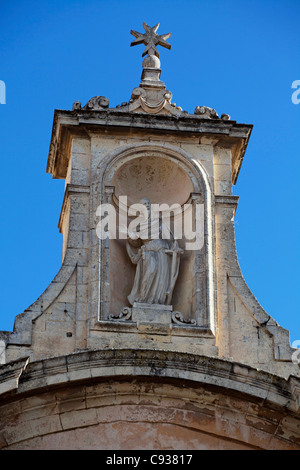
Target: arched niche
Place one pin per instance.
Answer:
(163, 174)
(156, 177)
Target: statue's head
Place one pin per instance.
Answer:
(146, 202)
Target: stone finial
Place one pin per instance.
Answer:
(151, 39)
(151, 96)
(151, 63)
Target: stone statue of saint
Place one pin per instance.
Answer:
(157, 264)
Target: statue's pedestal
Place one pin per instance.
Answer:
(152, 318)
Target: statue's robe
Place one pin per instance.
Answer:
(153, 271)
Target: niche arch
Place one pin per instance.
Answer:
(167, 171)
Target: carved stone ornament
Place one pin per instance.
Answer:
(157, 262)
(209, 113)
(76, 105)
(206, 112)
(151, 96)
(97, 103)
(151, 39)
(124, 315)
(226, 117)
(94, 104)
(179, 319)
(152, 103)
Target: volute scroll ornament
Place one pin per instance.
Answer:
(179, 319)
(124, 315)
(140, 98)
(209, 113)
(97, 103)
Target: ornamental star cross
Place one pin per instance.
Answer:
(150, 39)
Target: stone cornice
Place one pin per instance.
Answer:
(24, 377)
(82, 122)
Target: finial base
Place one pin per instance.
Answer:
(151, 78)
(151, 72)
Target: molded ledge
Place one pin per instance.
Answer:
(10, 375)
(21, 377)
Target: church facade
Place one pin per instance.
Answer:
(148, 337)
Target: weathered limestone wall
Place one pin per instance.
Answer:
(64, 319)
(85, 369)
(152, 401)
(130, 417)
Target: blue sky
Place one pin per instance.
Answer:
(239, 57)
